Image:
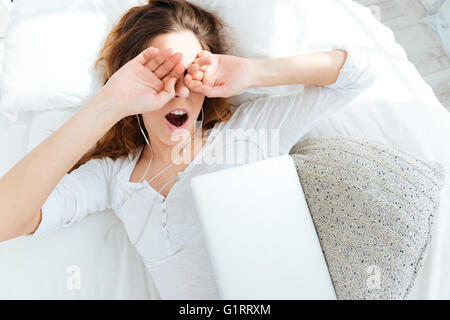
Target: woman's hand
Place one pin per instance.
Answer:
(145, 83)
(217, 75)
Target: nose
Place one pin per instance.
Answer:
(181, 91)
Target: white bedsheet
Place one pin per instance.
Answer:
(91, 260)
(400, 110)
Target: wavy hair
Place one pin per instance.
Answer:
(132, 34)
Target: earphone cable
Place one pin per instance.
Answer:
(177, 177)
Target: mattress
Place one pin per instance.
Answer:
(400, 110)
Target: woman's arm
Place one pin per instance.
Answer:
(144, 84)
(332, 79)
(319, 69)
(24, 189)
(223, 75)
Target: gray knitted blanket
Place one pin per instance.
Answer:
(373, 208)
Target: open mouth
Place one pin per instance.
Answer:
(177, 118)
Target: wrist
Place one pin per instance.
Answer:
(105, 106)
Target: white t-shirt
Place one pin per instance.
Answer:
(170, 238)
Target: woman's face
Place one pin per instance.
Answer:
(179, 114)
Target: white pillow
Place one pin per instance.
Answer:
(50, 49)
(13, 141)
(51, 46)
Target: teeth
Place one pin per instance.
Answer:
(178, 112)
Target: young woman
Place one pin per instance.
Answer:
(166, 72)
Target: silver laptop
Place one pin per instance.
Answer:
(259, 233)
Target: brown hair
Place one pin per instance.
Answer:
(131, 36)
